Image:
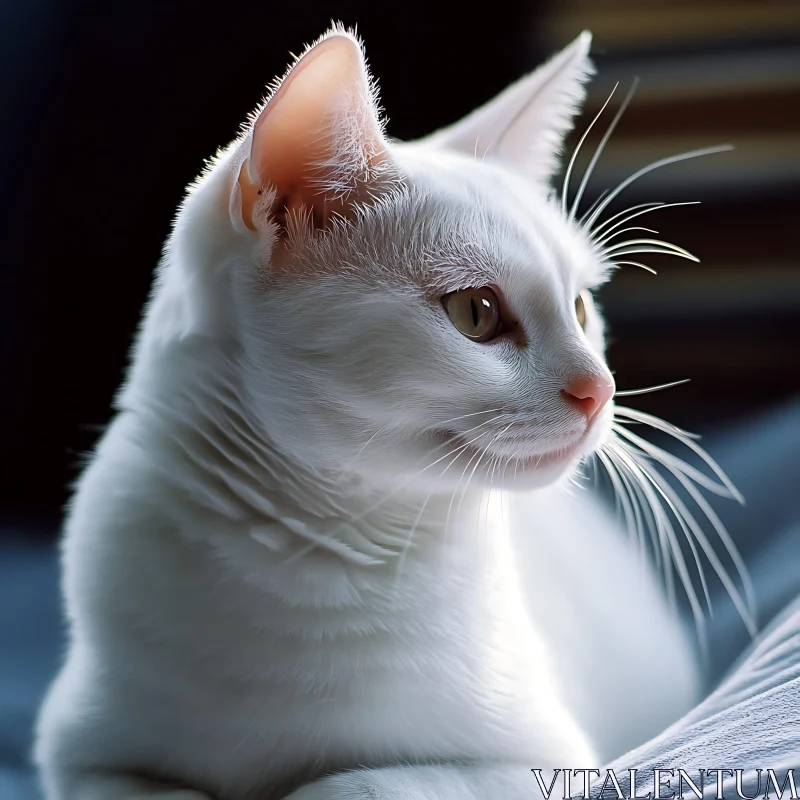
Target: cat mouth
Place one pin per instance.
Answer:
(549, 458)
(565, 453)
(517, 458)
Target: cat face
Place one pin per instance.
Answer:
(412, 312)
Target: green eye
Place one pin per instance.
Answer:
(475, 313)
(580, 310)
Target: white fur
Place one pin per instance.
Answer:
(266, 574)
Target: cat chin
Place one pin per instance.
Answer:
(538, 471)
(519, 468)
(476, 469)
(541, 476)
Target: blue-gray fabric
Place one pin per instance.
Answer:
(749, 721)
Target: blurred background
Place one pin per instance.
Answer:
(110, 109)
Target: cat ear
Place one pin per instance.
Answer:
(318, 143)
(527, 123)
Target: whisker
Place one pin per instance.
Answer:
(632, 251)
(686, 521)
(464, 416)
(648, 389)
(636, 211)
(666, 536)
(647, 206)
(686, 439)
(646, 517)
(369, 441)
(475, 455)
(601, 146)
(621, 494)
(606, 239)
(728, 543)
(474, 469)
(653, 421)
(637, 250)
(649, 168)
(493, 465)
(412, 478)
(678, 469)
(662, 531)
(410, 538)
(568, 173)
(711, 554)
(593, 206)
(663, 457)
(667, 248)
(635, 264)
(687, 476)
(651, 523)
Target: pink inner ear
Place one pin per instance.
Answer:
(319, 124)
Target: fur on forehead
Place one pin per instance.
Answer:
(438, 233)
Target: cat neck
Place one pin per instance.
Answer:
(226, 468)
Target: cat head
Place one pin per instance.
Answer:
(403, 311)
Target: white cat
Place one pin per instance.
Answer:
(292, 568)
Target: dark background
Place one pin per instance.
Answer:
(111, 108)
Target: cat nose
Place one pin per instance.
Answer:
(589, 393)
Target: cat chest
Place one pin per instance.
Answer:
(274, 734)
(309, 707)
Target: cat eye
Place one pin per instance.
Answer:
(475, 313)
(580, 310)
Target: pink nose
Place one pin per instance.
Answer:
(589, 393)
